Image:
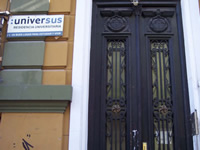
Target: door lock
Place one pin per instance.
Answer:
(144, 146)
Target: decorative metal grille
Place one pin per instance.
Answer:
(162, 102)
(116, 95)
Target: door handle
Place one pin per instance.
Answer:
(135, 139)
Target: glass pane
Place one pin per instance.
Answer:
(162, 102)
(116, 99)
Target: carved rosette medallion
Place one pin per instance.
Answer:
(116, 108)
(163, 110)
(158, 24)
(116, 23)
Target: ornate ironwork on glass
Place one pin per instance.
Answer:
(162, 102)
(116, 95)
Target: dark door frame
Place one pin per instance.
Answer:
(96, 71)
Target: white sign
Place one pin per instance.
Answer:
(35, 25)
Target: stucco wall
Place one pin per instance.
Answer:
(191, 24)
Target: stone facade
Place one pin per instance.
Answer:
(36, 80)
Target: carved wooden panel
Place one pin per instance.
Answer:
(158, 21)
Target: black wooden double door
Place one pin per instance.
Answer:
(138, 87)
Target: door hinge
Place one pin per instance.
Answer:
(194, 123)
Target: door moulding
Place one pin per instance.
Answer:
(78, 131)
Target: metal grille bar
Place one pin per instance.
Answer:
(116, 95)
(162, 102)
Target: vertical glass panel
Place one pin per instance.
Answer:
(162, 102)
(116, 97)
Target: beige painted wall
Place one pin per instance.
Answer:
(42, 131)
(4, 5)
(57, 69)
